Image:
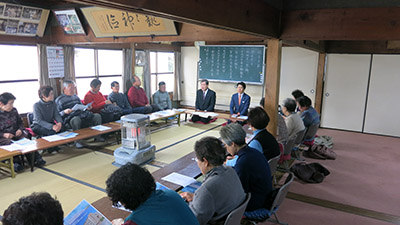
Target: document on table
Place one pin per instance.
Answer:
(205, 114)
(243, 117)
(101, 128)
(85, 213)
(60, 136)
(21, 144)
(179, 179)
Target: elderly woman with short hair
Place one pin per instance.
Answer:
(293, 121)
(221, 191)
(251, 166)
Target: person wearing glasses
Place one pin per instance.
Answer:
(221, 191)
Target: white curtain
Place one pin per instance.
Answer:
(127, 69)
(43, 69)
(177, 85)
(69, 63)
(146, 75)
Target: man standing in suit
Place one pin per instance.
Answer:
(205, 101)
(240, 101)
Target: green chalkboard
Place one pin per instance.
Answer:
(232, 63)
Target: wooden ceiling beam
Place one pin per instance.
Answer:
(254, 17)
(310, 45)
(187, 33)
(362, 24)
(361, 47)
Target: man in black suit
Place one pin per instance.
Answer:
(205, 101)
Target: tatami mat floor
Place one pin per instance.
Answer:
(73, 175)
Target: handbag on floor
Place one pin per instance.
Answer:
(319, 152)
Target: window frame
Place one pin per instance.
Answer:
(160, 73)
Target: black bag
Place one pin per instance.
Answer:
(86, 118)
(110, 113)
(310, 173)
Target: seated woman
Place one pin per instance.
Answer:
(134, 187)
(46, 119)
(252, 168)
(240, 101)
(221, 191)
(12, 128)
(263, 141)
(293, 121)
(37, 208)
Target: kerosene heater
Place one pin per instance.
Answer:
(136, 146)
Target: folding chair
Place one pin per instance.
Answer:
(297, 142)
(280, 196)
(287, 150)
(310, 134)
(273, 164)
(235, 216)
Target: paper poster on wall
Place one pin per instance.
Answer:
(22, 20)
(55, 61)
(117, 23)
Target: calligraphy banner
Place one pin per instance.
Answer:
(118, 23)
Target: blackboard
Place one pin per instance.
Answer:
(232, 63)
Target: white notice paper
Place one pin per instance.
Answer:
(100, 128)
(180, 179)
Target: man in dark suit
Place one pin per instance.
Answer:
(240, 101)
(205, 101)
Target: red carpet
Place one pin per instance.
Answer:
(365, 175)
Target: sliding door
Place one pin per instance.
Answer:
(344, 99)
(383, 106)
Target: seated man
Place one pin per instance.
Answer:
(120, 99)
(75, 119)
(205, 101)
(240, 101)
(252, 167)
(12, 128)
(221, 191)
(138, 98)
(107, 110)
(134, 187)
(161, 97)
(308, 114)
(37, 208)
(46, 119)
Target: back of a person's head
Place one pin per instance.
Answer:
(258, 118)
(131, 185)
(212, 149)
(290, 104)
(233, 133)
(35, 209)
(297, 93)
(304, 101)
(6, 97)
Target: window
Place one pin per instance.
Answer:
(162, 69)
(21, 81)
(105, 65)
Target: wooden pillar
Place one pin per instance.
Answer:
(319, 87)
(272, 83)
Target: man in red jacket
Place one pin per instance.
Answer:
(138, 98)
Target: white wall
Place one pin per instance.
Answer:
(299, 68)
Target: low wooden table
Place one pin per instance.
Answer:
(184, 165)
(221, 115)
(173, 113)
(8, 156)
